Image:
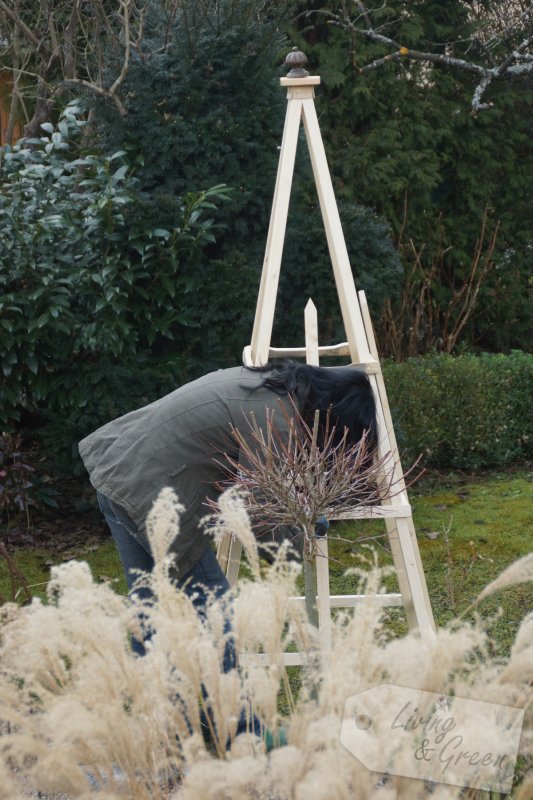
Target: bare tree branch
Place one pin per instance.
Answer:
(69, 43)
(16, 19)
(424, 321)
(99, 90)
(516, 62)
(125, 5)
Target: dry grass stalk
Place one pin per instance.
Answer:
(519, 572)
(16, 577)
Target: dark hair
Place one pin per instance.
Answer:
(344, 392)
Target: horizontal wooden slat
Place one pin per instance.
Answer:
(262, 660)
(300, 352)
(374, 512)
(352, 600)
(370, 367)
(337, 601)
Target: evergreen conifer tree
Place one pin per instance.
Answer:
(207, 108)
(404, 141)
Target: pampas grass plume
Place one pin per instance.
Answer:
(518, 572)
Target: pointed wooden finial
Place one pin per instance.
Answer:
(297, 61)
(311, 334)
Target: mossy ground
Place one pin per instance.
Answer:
(35, 564)
(468, 531)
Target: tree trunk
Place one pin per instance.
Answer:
(310, 585)
(42, 112)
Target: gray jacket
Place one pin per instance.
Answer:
(179, 441)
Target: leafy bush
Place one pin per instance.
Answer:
(88, 279)
(465, 412)
(207, 108)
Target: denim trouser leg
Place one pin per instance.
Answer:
(205, 576)
(133, 556)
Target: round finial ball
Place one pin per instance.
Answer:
(297, 61)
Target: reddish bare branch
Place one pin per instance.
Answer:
(422, 321)
(290, 481)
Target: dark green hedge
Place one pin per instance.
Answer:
(463, 412)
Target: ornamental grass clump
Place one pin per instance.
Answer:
(82, 715)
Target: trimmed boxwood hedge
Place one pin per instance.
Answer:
(463, 412)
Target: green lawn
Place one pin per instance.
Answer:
(35, 564)
(468, 530)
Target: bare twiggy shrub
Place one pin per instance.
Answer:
(78, 708)
(290, 479)
(422, 322)
(293, 474)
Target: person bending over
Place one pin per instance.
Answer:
(177, 441)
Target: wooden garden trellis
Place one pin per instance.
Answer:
(362, 351)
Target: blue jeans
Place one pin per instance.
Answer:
(205, 577)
